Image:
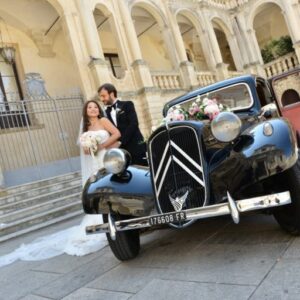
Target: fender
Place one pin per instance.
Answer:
(129, 194)
(254, 157)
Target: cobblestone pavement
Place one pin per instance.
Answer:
(212, 259)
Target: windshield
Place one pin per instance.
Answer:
(234, 97)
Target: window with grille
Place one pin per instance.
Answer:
(114, 64)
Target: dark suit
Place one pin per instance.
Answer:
(131, 137)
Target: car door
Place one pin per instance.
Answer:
(286, 88)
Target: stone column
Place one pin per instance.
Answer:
(220, 67)
(140, 68)
(235, 52)
(257, 62)
(97, 63)
(73, 32)
(187, 71)
(291, 14)
(297, 50)
(240, 39)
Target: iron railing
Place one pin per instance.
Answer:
(38, 138)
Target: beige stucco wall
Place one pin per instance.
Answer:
(59, 72)
(155, 53)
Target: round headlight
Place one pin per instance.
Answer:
(116, 160)
(226, 126)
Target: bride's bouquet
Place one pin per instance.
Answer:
(91, 141)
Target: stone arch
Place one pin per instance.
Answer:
(103, 7)
(192, 16)
(154, 35)
(116, 52)
(44, 39)
(14, 22)
(261, 21)
(223, 25)
(257, 6)
(226, 43)
(58, 6)
(151, 8)
(197, 23)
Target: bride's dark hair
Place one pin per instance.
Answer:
(86, 121)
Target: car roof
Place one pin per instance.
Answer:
(217, 85)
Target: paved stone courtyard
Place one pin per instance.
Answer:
(212, 259)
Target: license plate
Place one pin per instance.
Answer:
(167, 218)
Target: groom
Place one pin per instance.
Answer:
(123, 115)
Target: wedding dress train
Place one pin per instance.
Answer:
(72, 241)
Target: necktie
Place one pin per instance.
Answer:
(113, 114)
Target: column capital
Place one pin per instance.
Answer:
(139, 62)
(97, 61)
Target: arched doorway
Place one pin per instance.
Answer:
(152, 37)
(108, 37)
(224, 45)
(271, 32)
(192, 42)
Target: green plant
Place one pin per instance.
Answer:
(284, 46)
(276, 48)
(267, 55)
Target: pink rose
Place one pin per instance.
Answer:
(191, 111)
(212, 110)
(180, 117)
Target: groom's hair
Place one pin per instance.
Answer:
(110, 88)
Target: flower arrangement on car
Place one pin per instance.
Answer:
(200, 109)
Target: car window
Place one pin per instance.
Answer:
(263, 93)
(234, 97)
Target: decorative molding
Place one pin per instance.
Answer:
(175, 5)
(43, 43)
(35, 87)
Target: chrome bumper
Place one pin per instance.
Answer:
(232, 207)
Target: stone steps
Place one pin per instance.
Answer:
(38, 200)
(36, 192)
(36, 205)
(19, 214)
(39, 221)
(37, 184)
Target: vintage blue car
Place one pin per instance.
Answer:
(245, 159)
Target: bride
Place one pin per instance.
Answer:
(74, 241)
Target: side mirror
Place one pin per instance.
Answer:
(269, 111)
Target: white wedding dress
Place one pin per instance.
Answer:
(72, 241)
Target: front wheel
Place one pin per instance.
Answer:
(126, 246)
(288, 216)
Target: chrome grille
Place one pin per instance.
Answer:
(177, 167)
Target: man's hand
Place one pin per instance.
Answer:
(115, 145)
